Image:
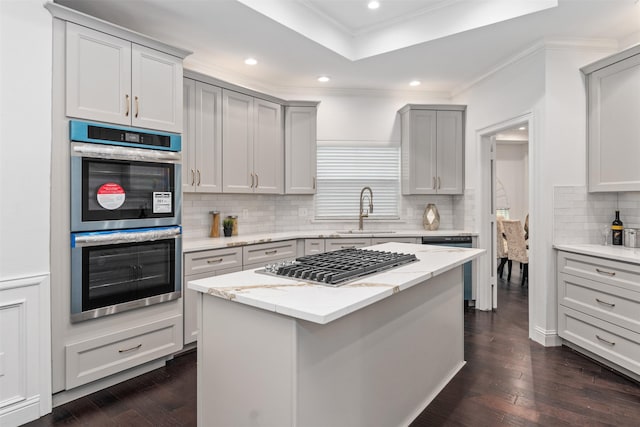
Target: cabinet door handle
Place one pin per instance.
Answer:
(126, 350)
(314, 183)
(193, 177)
(273, 252)
(348, 247)
(198, 176)
(438, 183)
(137, 107)
(257, 181)
(605, 303)
(611, 343)
(252, 180)
(608, 273)
(433, 183)
(214, 261)
(126, 99)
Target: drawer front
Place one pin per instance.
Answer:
(378, 240)
(265, 253)
(610, 303)
(337, 244)
(313, 246)
(90, 360)
(618, 345)
(213, 260)
(614, 273)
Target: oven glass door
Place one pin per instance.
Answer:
(115, 188)
(116, 274)
(116, 271)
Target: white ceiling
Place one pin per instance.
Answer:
(444, 43)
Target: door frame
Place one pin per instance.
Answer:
(486, 296)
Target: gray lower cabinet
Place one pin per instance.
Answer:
(335, 244)
(599, 309)
(313, 246)
(200, 265)
(257, 256)
(95, 358)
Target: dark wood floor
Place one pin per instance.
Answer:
(508, 380)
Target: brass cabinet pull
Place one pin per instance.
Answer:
(252, 180)
(126, 350)
(347, 247)
(608, 273)
(126, 97)
(275, 251)
(257, 181)
(137, 107)
(605, 303)
(193, 177)
(433, 184)
(611, 343)
(438, 183)
(198, 176)
(214, 261)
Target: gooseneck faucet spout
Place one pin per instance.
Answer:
(364, 214)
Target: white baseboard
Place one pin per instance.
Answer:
(20, 413)
(547, 338)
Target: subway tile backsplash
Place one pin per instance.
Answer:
(278, 213)
(580, 217)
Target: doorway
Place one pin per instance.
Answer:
(505, 159)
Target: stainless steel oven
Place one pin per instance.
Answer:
(118, 270)
(123, 177)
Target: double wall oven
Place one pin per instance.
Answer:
(125, 218)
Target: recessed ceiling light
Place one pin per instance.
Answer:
(324, 79)
(373, 5)
(251, 61)
(522, 128)
(414, 83)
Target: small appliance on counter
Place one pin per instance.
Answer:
(630, 237)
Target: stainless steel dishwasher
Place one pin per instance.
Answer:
(459, 242)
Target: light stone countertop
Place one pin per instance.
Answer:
(616, 253)
(323, 304)
(201, 244)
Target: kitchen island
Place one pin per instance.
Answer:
(275, 351)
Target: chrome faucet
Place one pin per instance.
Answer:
(362, 213)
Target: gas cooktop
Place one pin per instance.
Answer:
(339, 267)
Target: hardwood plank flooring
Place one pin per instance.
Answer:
(508, 380)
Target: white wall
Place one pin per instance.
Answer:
(25, 146)
(25, 138)
(546, 84)
(512, 169)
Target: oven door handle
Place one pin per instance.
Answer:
(99, 238)
(102, 151)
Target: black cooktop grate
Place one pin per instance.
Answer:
(338, 267)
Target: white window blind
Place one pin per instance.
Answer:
(344, 170)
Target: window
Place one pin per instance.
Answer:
(345, 169)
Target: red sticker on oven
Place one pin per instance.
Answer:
(110, 195)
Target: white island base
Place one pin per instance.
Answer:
(378, 366)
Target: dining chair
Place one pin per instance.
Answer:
(502, 249)
(517, 246)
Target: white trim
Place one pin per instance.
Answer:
(548, 338)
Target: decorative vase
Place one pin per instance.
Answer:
(431, 217)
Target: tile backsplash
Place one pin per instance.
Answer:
(278, 213)
(580, 216)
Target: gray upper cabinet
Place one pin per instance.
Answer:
(202, 138)
(253, 148)
(432, 149)
(300, 148)
(613, 99)
(110, 79)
